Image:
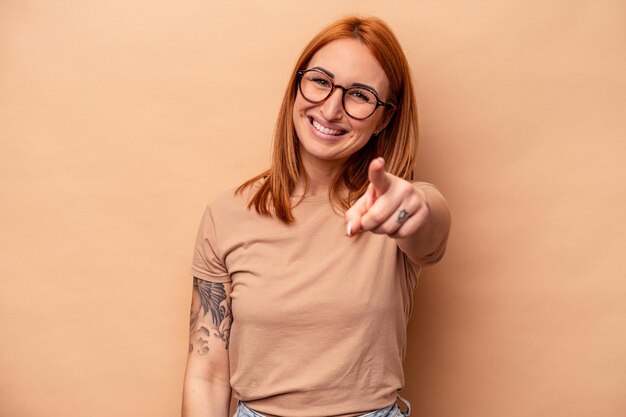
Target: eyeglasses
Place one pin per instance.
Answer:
(359, 102)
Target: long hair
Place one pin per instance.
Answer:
(397, 143)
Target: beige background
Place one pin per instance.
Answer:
(119, 120)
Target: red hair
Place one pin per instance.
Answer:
(397, 143)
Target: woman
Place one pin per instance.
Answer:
(303, 277)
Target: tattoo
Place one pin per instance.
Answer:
(193, 320)
(213, 299)
(203, 341)
(402, 215)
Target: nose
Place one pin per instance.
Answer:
(332, 107)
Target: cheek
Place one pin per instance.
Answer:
(300, 105)
(298, 115)
(366, 127)
(373, 122)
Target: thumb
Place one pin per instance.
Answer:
(378, 177)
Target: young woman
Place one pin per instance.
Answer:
(304, 275)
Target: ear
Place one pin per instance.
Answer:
(384, 122)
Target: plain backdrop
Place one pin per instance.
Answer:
(120, 120)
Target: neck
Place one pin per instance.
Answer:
(319, 177)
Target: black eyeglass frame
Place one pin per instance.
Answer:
(334, 86)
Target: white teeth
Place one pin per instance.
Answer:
(326, 130)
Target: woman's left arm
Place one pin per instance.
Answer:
(414, 214)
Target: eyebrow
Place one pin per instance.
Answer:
(325, 71)
(331, 75)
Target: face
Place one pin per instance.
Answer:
(328, 136)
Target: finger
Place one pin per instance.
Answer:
(392, 211)
(378, 177)
(355, 213)
(392, 225)
(410, 226)
(370, 198)
(379, 214)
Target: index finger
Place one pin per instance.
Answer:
(378, 177)
(359, 208)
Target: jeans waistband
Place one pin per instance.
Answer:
(391, 411)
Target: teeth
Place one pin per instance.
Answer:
(325, 129)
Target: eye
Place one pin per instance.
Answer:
(361, 95)
(320, 81)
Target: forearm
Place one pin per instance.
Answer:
(428, 243)
(205, 398)
(206, 390)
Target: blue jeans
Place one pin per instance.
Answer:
(391, 411)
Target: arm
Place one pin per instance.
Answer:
(414, 214)
(206, 391)
(427, 243)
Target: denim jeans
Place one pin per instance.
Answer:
(390, 411)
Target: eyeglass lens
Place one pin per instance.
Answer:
(358, 102)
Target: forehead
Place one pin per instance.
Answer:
(350, 61)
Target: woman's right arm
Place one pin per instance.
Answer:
(206, 391)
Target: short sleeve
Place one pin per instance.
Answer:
(208, 264)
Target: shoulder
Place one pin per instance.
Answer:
(232, 202)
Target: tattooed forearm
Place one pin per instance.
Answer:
(202, 341)
(212, 298)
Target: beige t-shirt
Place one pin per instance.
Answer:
(319, 318)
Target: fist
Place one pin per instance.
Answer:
(391, 205)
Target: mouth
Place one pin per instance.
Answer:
(325, 130)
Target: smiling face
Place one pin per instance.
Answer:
(327, 135)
